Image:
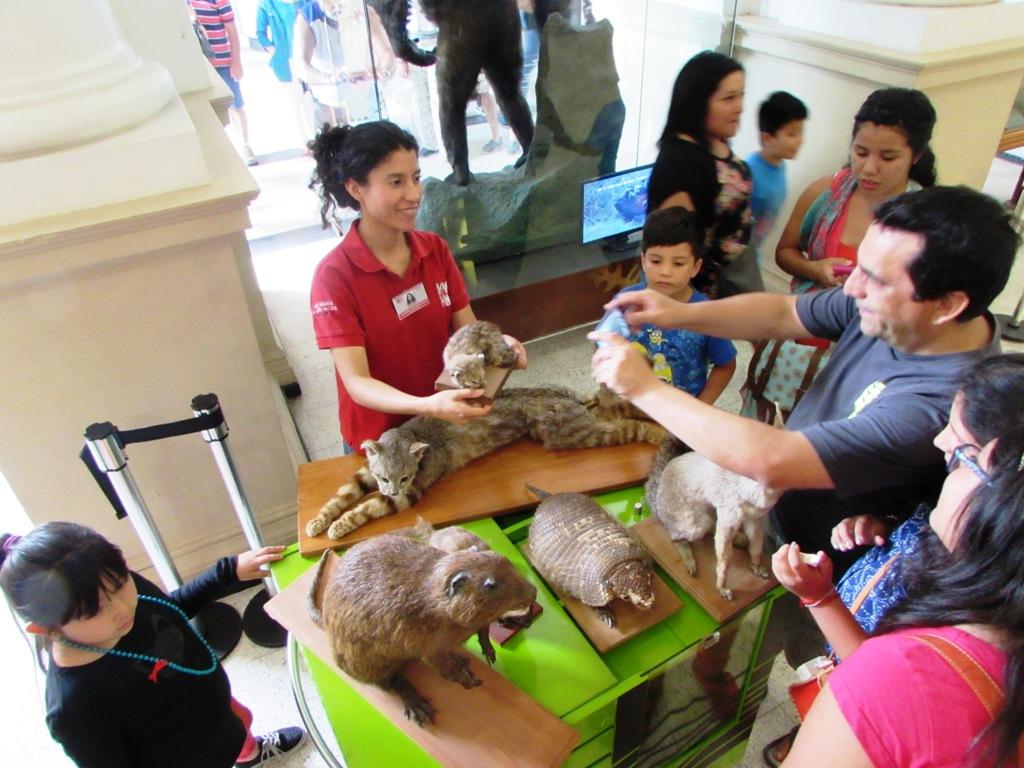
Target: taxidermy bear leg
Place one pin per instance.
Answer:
(504, 69)
(513, 105)
(455, 84)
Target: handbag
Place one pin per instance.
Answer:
(814, 673)
(781, 371)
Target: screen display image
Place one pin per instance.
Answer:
(615, 204)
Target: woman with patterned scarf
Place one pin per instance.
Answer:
(889, 155)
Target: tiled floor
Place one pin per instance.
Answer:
(287, 244)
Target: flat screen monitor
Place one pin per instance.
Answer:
(615, 204)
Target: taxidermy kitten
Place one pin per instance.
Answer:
(691, 496)
(408, 459)
(473, 347)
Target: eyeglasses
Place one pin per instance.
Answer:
(960, 456)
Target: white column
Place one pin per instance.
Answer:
(78, 104)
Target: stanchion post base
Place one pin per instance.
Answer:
(259, 627)
(1008, 331)
(221, 625)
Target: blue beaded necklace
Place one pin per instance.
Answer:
(158, 664)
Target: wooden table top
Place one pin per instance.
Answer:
(492, 485)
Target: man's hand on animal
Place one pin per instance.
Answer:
(859, 531)
(457, 405)
(808, 582)
(621, 367)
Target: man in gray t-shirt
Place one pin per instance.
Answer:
(908, 319)
(871, 416)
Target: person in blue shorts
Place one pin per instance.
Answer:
(670, 258)
(218, 21)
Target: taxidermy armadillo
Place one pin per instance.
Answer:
(583, 551)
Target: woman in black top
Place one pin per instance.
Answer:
(696, 169)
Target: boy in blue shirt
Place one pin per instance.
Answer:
(670, 258)
(781, 122)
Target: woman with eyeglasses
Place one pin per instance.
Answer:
(956, 571)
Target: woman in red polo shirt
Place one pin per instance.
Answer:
(387, 298)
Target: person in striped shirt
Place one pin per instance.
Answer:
(218, 20)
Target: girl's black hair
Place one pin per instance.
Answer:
(909, 111)
(981, 581)
(694, 86)
(345, 152)
(54, 574)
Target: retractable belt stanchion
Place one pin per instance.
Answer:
(219, 623)
(258, 626)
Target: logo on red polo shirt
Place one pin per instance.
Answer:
(442, 294)
(323, 307)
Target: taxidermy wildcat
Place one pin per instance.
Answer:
(691, 496)
(408, 459)
(471, 349)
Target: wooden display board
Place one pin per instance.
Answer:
(494, 724)
(629, 620)
(491, 485)
(494, 381)
(746, 587)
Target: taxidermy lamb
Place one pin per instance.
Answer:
(691, 495)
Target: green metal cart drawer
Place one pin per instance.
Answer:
(595, 722)
(598, 748)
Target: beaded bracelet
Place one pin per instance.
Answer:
(825, 599)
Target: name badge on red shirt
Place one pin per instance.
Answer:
(410, 300)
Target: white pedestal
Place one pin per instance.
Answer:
(124, 312)
(159, 155)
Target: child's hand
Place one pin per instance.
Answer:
(249, 563)
(808, 582)
(859, 531)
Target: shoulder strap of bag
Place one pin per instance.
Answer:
(872, 583)
(988, 691)
(984, 687)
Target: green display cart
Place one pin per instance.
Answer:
(682, 693)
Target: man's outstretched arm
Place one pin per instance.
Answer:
(776, 458)
(750, 316)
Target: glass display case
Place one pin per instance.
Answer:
(513, 109)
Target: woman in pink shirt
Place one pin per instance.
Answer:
(942, 681)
